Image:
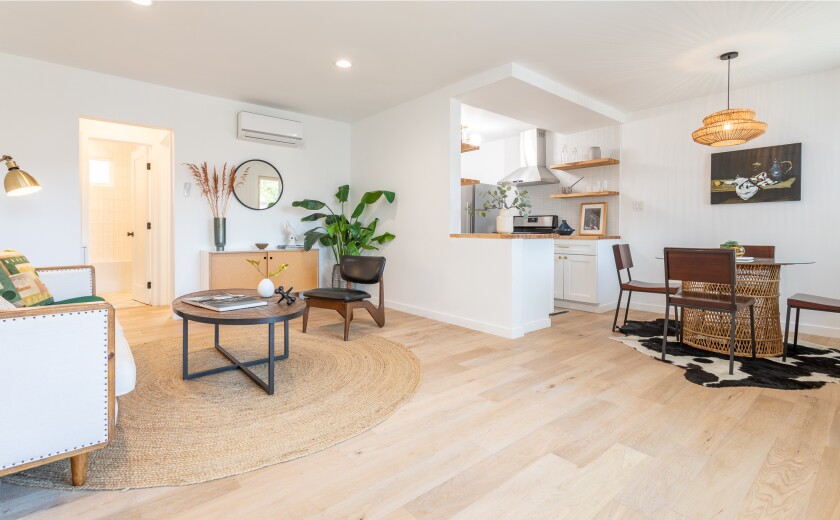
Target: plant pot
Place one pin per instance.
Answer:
(265, 288)
(504, 222)
(219, 233)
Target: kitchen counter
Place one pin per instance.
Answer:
(525, 236)
(504, 236)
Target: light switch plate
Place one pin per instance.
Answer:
(638, 205)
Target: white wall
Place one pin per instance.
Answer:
(41, 110)
(488, 285)
(487, 164)
(664, 168)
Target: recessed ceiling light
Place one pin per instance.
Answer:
(343, 64)
(142, 2)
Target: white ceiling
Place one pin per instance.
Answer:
(490, 125)
(627, 55)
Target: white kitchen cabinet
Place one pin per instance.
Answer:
(584, 275)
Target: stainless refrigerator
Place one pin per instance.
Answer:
(473, 196)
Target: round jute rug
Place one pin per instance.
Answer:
(173, 432)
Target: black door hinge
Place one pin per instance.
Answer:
(148, 285)
(148, 225)
(148, 166)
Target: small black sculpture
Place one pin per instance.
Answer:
(285, 295)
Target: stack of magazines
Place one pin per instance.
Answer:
(225, 302)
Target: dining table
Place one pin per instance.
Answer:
(759, 279)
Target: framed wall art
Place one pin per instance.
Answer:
(770, 174)
(593, 218)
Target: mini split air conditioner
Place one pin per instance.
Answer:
(269, 130)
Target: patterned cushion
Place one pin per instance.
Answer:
(6, 305)
(19, 283)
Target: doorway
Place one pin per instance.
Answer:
(126, 176)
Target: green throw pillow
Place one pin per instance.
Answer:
(19, 283)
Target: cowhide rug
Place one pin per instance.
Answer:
(808, 366)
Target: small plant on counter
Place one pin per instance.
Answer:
(344, 236)
(256, 265)
(499, 198)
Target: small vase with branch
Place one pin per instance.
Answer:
(217, 190)
(266, 286)
(508, 203)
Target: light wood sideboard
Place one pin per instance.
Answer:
(229, 269)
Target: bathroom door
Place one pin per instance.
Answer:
(141, 261)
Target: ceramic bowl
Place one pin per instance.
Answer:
(261, 245)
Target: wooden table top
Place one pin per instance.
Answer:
(271, 313)
(765, 261)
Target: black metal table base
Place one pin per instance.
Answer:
(268, 386)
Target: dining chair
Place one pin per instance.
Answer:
(760, 251)
(354, 269)
(808, 302)
(624, 262)
(714, 266)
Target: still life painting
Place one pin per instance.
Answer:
(769, 174)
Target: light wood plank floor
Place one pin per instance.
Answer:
(562, 423)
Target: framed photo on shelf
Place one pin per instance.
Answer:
(593, 218)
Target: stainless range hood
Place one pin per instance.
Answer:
(532, 159)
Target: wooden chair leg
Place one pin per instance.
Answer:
(305, 317)
(627, 309)
(348, 315)
(731, 343)
(665, 332)
(78, 468)
(787, 329)
(617, 308)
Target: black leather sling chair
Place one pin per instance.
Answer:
(354, 269)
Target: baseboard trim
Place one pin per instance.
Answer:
(807, 328)
(587, 307)
(489, 328)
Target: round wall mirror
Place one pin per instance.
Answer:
(263, 185)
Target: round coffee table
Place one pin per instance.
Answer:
(268, 314)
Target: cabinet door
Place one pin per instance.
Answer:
(231, 271)
(302, 273)
(558, 277)
(580, 278)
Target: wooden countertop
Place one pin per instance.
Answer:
(525, 236)
(266, 250)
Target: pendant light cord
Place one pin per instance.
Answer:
(728, 73)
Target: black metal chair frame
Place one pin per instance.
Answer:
(795, 327)
(732, 312)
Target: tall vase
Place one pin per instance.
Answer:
(219, 233)
(504, 222)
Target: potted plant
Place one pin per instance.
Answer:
(343, 235)
(732, 244)
(266, 287)
(217, 190)
(500, 198)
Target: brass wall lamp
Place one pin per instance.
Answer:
(17, 181)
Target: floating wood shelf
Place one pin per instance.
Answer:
(594, 163)
(467, 147)
(469, 182)
(583, 194)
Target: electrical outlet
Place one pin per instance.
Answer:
(638, 205)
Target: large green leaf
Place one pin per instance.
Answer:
(315, 216)
(343, 193)
(312, 236)
(353, 249)
(309, 204)
(384, 237)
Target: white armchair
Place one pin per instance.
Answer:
(61, 368)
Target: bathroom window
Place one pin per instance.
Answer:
(100, 173)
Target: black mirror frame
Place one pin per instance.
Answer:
(282, 185)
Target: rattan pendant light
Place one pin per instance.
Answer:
(732, 126)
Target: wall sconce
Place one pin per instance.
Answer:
(17, 181)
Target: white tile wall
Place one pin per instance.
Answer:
(110, 207)
(603, 178)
